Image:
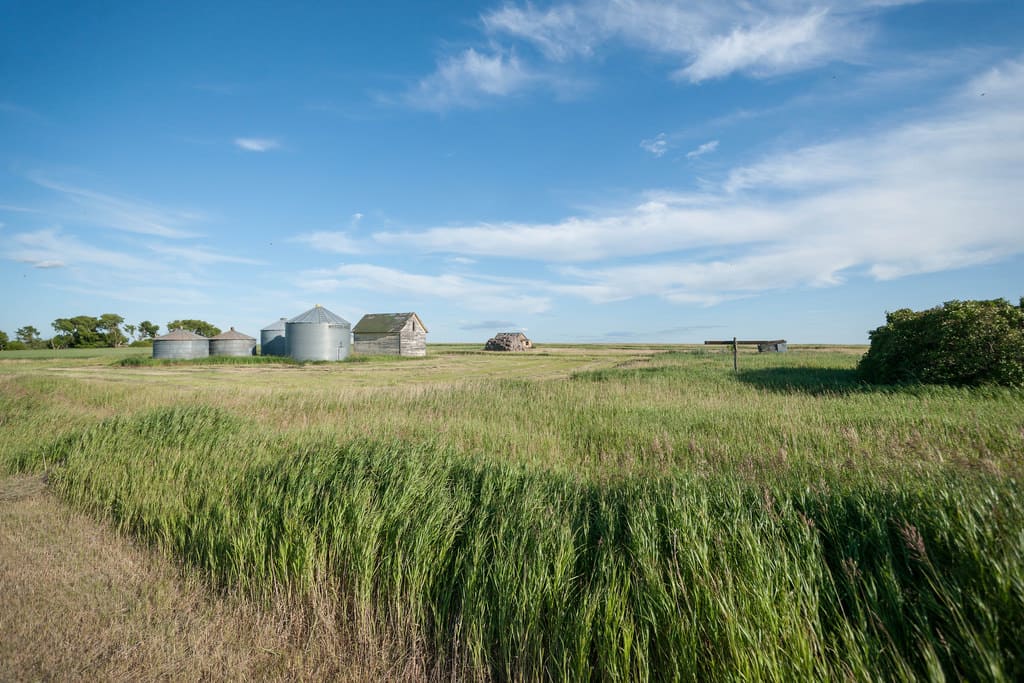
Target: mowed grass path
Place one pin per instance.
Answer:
(581, 512)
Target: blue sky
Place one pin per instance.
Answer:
(627, 170)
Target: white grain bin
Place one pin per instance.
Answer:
(318, 334)
(272, 341)
(232, 343)
(181, 345)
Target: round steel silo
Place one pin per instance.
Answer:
(182, 345)
(232, 343)
(318, 334)
(272, 341)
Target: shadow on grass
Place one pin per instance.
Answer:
(809, 380)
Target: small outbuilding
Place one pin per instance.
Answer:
(508, 341)
(777, 346)
(232, 343)
(391, 334)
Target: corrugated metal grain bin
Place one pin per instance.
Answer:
(272, 341)
(318, 334)
(232, 343)
(182, 345)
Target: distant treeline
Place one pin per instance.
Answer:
(106, 330)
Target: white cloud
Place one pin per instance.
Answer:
(52, 248)
(559, 32)
(773, 46)
(706, 148)
(119, 213)
(18, 209)
(200, 255)
(467, 78)
(478, 293)
(713, 39)
(935, 193)
(657, 145)
(758, 38)
(257, 144)
(334, 242)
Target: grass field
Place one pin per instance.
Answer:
(612, 513)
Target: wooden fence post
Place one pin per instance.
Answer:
(735, 343)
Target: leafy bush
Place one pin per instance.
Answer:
(960, 343)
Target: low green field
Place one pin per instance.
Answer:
(586, 512)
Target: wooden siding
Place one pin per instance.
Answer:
(378, 344)
(407, 342)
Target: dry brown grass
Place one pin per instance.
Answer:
(78, 602)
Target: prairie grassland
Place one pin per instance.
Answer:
(628, 513)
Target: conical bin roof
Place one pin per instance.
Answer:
(274, 326)
(180, 335)
(319, 315)
(232, 334)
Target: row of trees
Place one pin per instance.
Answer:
(106, 330)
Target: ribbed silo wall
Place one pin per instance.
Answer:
(318, 341)
(181, 349)
(272, 343)
(232, 347)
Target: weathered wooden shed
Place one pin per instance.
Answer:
(392, 334)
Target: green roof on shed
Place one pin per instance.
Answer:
(384, 323)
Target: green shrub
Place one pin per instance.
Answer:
(959, 343)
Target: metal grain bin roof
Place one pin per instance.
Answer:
(318, 315)
(385, 323)
(180, 335)
(233, 334)
(276, 325)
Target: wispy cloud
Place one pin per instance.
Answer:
(715, 39)
(19, 209)
(199, 255)
(468, 78)
(119, 213)
(560, 32)
(936, 193)
(757, 38)
(775, 45)
(657, 145)
(700, 151)
(257, 144)
(53, 248)
(336, 242)
(473, 292)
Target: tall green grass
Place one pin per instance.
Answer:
(663, 522)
